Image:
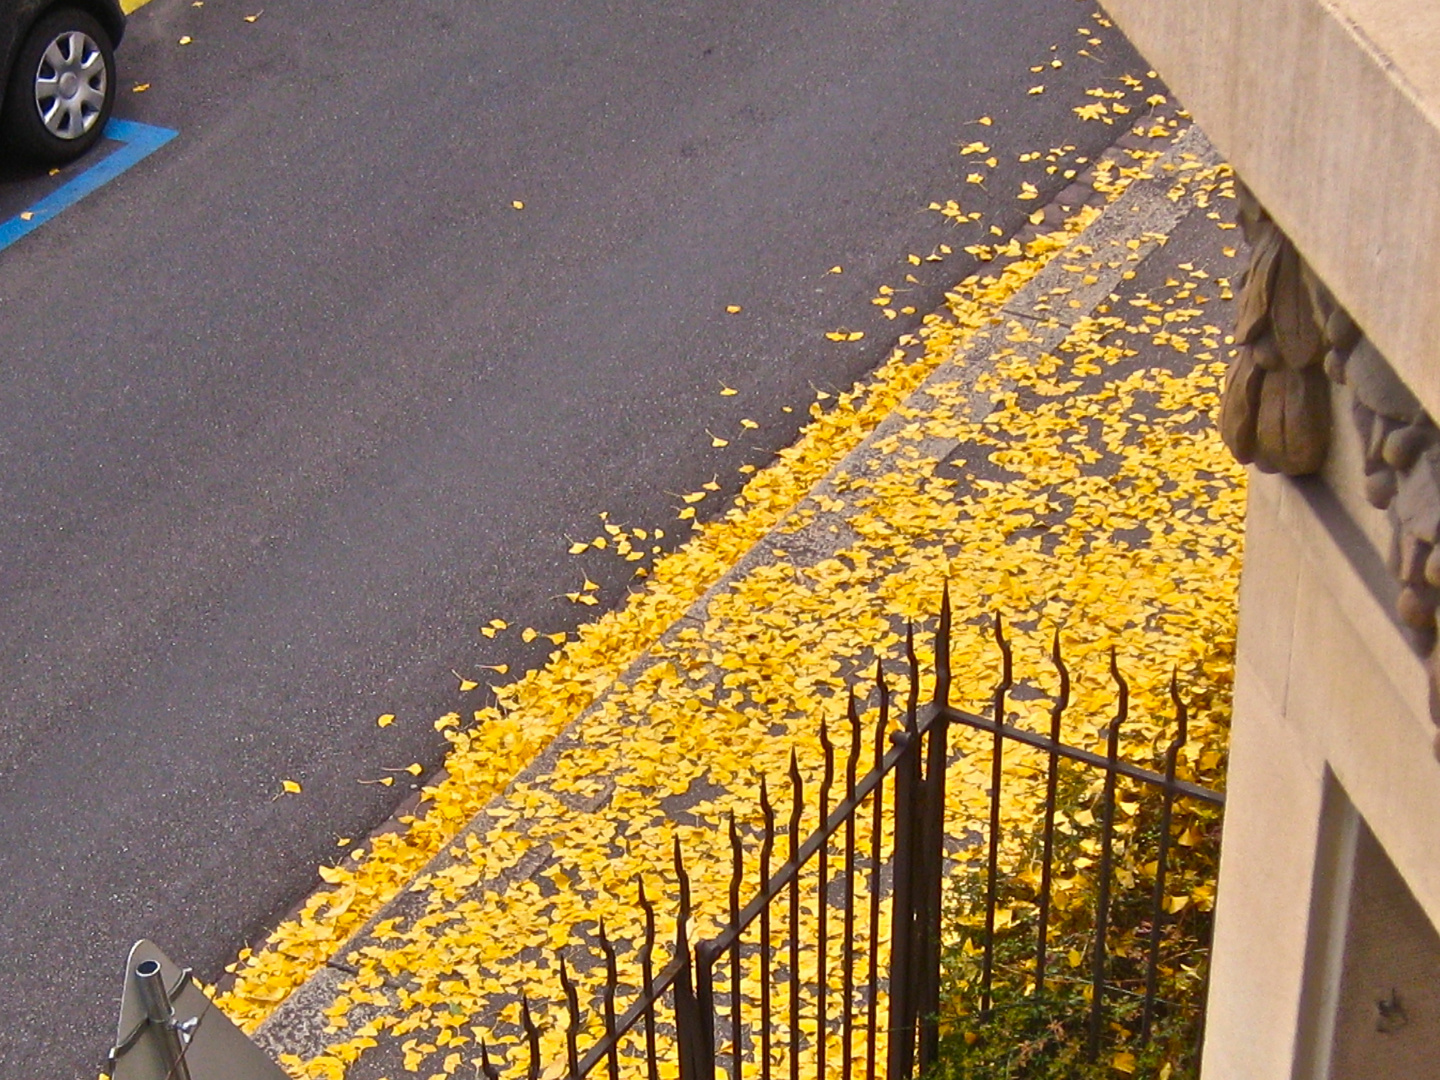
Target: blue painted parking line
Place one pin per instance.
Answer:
(138, 141)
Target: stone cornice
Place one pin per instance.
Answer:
(1328, 109)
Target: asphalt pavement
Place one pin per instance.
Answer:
(293, 405)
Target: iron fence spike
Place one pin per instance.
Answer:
(572, 1031)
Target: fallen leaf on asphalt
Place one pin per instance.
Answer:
(140, 88)
(385, 720)
(186, 40)
(518, 205)
(252, 18)
(733, 309)
(290, 787)
(726, 391)
(835, 270)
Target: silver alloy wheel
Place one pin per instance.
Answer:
(70, 84)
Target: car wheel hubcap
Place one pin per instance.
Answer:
(70, 84)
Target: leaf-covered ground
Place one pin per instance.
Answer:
(1059, 468)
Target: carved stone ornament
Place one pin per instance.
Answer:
(1294, 340)
(1275, 412)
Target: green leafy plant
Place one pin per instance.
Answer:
(1042, 1033)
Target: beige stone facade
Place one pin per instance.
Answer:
(1326, 961)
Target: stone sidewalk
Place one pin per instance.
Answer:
(1059, 466)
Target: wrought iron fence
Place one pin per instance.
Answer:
(871, 879)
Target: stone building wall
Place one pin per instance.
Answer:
(1326, 958)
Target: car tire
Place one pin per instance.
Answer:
(62, 88)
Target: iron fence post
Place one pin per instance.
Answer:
(1107, 840)
(932, 849)
(902, 921)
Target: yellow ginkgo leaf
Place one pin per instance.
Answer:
(579, 546)
(749, 424)
(414, 768)
(140, 88)
(726, 391)
(528, 635)
(385, 720)
(186, 40)
(1036, 90)
(466, 685)
(716, 440)
(518, 205)
(290, 786)
(733, 309)
(836, 270)
(985, 120)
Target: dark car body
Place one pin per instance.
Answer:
(18, 16)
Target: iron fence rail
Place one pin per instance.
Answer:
(905, 976)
